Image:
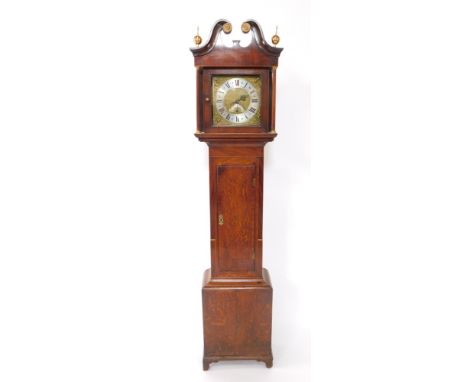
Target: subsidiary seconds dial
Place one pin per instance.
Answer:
(237, 100)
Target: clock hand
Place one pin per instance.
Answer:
(234, 103)
(241, 98)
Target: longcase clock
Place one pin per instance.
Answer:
(236, 117)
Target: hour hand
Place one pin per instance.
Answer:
(241, 98)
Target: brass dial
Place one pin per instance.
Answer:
(236, 101)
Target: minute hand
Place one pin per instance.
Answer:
(241, 98)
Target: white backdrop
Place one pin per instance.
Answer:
(389, 202)
(104, 191)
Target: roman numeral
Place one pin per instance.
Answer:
(227, 85)
(228, 116)
(237, 82)
(252, 110)
(255, 100)
(222, 110)
(237, 118)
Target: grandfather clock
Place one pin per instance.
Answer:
(236, 118)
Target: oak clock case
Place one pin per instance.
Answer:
(236, 117)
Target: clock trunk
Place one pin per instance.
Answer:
(236, 205)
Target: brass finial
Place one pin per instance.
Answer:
(227, 28)
(197, 39)
(275, 39)
(245, 27)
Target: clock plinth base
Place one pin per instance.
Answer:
(208, 360)
(237, 319)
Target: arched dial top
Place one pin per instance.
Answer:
(214, 47)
